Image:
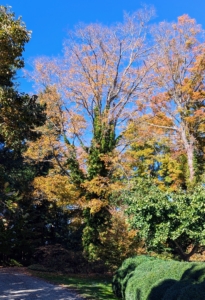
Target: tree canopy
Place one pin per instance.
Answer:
(114, 135)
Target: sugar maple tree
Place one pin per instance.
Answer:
(90, 94)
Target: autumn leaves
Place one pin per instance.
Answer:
(125, 100)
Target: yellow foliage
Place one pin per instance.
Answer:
(56, 188)
(98, 185)
(95, 205)
(118, 241)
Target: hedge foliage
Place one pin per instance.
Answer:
(124, 273)
(149, 278)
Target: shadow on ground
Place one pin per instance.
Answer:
(18, 286)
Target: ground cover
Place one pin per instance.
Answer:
(91, 287)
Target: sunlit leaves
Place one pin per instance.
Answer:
(164, 218)
(13, 36)
(56, 188)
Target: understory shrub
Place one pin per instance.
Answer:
(14, 263)
(57, 258)
(146, 278)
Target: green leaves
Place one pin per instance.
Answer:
(19, 113)
(167, 217)
(13, 36)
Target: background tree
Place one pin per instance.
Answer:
(151, 156)
(167, 222)
(167, 144)
(19, 115)
(19, 112)
(177, 102)
(161, 137)
(13, 36)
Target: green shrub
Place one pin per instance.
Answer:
(196, 272)
(191, 286)
(165, 278)
(147, 275)
(144, 278)
(173, 292)
(192, 291)
(14, 263)
(159, 289)
(151, 279)
(124, 273)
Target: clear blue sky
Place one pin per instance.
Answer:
(49, 20)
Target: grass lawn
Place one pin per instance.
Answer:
(90, 287)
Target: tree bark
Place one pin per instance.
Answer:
(185, 256)
(188, 141)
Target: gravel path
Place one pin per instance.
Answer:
(18, 285)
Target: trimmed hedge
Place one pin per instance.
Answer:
(124, 273)
(160, 274)
(185, 290)
(148, 278)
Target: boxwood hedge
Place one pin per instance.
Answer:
(148, 278)
(124, 273)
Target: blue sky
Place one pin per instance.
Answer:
(49, 20)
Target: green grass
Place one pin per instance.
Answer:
(89, 287)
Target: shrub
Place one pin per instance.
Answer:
(191, 286)
(124, 273)
(185, 290)
(146, 275)
(192, 292)
(14, 263)
(145, 278)
(57, 258)
(151, 279)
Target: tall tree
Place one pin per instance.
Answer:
(172, 135)
(19, 115)
(13, 36)
(176, 104)
(92, 91)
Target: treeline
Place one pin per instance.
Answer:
(108, 158)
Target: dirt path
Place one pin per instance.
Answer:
(17, 284)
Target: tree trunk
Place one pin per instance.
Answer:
(186, 256)
(190, 158)
(188, 141)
